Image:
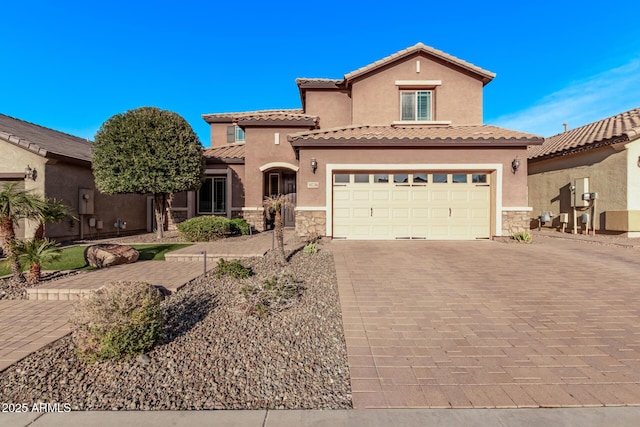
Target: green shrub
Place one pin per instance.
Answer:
(273, 294)
(204, 228)
(310, 248)
(120, 320)
(522, 237)
(232, 268)
(239, 226)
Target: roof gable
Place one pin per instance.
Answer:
(619, 128)
(43, 141)
(485, 75)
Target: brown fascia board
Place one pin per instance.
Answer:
(412, 143)
(67, 159)
(12, 176)
(217, 119)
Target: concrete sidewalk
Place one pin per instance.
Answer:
(584, 417)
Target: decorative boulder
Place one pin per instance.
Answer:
(108, 254)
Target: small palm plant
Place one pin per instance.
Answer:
(274, 205)
(15, 204)
(34, 253)
(51, 212)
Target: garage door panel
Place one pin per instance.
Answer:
(439, 195)
(419, 194)
(400, 213)
(342, 213)
(359, 213)
(381, 195)
(439, 213)
(419, 213)
(459, 195)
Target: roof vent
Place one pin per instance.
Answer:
(566, 127)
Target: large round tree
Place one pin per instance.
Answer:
(147, 150)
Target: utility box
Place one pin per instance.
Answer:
(580, 188)
(564, 218)
(85, 201)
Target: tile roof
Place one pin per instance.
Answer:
(225, 153)
(619, 128)
(418, 134)
(486, 75)
(261, 115)
(43, 141)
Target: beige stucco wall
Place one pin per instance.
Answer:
(333, 107)
(63, 181)
(550, 181)
(633, 174)
(376, 98)
(15, 160)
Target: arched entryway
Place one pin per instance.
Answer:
(281, 178)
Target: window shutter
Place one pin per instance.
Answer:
(231, 134)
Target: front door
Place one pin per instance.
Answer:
(289, 191)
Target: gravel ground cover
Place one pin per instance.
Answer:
(215, 355)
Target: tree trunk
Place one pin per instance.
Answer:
(8, 234)
(39, 233)
(35, 273)
(161, 209)
(279, 230)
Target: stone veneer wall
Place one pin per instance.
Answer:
(515, 221)
(310, 222)
(255, 218)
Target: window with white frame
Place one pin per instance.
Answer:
(235, 134)
(415, 105)
(212, 196)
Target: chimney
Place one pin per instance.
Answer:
(566, 127)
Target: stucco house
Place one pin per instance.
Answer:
(58, 165)
(394, 150)
(593, 170)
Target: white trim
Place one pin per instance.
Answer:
(216, 171)
(278, 165)
(276, 138)
(252, 209)
(236, 209)
(421, 122)
(422, 83)
(516, 208)
(311, 208)
(350, 167)
(179, 209)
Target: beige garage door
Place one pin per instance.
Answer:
(416, 205)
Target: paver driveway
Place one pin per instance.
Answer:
(489, 324)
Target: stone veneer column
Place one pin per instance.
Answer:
(515, 221)
(311, 222)
(255, 217)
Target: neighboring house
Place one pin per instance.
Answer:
(607, 153)
(394, 150)
(59, 166)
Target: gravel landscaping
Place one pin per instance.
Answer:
(215, 356)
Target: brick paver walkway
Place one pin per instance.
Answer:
(26, 326)
(488, 324)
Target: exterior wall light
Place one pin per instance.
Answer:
(314, 164)
(30, 173)
(515, 164)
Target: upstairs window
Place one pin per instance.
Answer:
(235, 134)
(415, 105)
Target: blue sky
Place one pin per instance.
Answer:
(71, 65)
